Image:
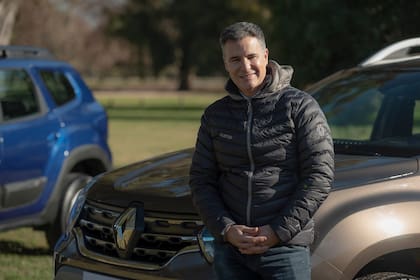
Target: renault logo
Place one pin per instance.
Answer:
(127, 230)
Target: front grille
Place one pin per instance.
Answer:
(164, 236)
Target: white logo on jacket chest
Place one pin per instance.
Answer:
(226, 136)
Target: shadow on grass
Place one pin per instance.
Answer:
(14, 247)
(154, 107)
(153, 118)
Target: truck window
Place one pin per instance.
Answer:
(17, 94)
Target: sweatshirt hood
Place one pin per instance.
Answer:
(278, 77)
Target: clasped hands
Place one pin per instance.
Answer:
(251, 240)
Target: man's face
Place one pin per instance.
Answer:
(246, 61)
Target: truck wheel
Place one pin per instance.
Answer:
(73, 183)
(387, 276)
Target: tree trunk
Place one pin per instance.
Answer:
(184, 80)
(185, 68)
(8, 12)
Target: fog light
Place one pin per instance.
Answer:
(205, 241)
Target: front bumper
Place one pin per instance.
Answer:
(69, 263)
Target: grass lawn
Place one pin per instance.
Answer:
(24, 254)
(140, 126)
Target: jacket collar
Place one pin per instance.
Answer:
(277, 78)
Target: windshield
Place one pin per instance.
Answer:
(373, 112)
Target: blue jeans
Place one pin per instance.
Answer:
(282, 262)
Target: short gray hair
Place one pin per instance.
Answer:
(240, 30)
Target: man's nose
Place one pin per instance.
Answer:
(245, 64)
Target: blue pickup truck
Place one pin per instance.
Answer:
(53, 139)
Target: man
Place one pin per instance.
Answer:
(263, 165)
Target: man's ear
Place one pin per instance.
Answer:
(223, 58)
(224, 63)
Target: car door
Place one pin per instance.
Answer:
(27, 133)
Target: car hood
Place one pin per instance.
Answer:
(162, 183)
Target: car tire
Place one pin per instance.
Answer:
(387, 276)
(73, 183)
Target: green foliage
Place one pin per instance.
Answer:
(323, 36)
(184, 33)
(143, 23)
(315, 37)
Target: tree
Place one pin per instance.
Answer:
(72, 30)
(182, 33)
(8, 12)
(323, 36)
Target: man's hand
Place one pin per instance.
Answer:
(246, 239)
(272, 238)
(251, 240)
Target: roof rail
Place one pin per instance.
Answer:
(24, 52)
(400, 51)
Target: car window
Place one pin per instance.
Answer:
(58, 85)
(17, 94)
(351, 106)
(379, 111)
(416, 126)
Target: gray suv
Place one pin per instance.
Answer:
(138, 222)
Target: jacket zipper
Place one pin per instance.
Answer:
(251, 160)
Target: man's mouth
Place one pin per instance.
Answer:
(247, 76)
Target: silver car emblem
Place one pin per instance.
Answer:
(127, 230)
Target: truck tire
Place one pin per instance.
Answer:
(387, 276)
(73, 183)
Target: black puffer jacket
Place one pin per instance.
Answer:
(263, 160)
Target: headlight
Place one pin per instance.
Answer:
(205, 241)
(77, 207)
